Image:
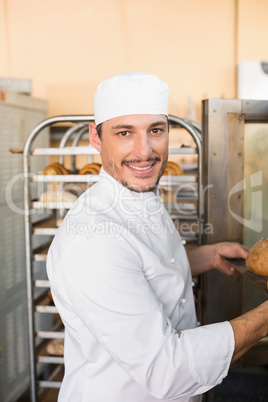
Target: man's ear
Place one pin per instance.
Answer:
(94, 139)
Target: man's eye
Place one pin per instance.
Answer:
(157, 130)
(124, 133)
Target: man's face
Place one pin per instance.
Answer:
(134, 150)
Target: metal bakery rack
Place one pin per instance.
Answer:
(44, 323)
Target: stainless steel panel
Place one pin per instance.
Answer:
(235, 179)
(18, 115)
(14, 363)
(255, 215)
(223, 164)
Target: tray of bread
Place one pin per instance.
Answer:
(255, 267)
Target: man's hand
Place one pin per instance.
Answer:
(249, 328)
(211, 256)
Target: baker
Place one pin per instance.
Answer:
(119, 273)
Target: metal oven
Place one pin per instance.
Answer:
(235, 200)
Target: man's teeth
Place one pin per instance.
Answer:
(140, 168)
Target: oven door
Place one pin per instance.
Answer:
(235, 199)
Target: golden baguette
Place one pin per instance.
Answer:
(55, 169)
(173, 169)
(91, 168)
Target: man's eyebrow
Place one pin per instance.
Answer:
(158, 123)
(122, 127)
(130, 126)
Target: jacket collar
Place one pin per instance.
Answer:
(132, 200)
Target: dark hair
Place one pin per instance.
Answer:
(98, 128)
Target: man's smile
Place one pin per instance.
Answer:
(140, 168)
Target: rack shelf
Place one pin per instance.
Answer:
(91, 178)
(88, 150)
(46, 226)
(40, 253)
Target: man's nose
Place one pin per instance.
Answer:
(143, 146)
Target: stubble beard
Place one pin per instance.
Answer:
(133, 187)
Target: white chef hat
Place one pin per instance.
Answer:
(130, 93)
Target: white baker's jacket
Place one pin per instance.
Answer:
(121, 281)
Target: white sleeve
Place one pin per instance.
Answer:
(105, 283)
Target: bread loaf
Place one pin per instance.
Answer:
(257, 260)
(58, 196)
(168, 196)
(56, 347)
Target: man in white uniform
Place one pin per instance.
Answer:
(119, 273)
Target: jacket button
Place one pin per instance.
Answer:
(172, 260)
(183, 301)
